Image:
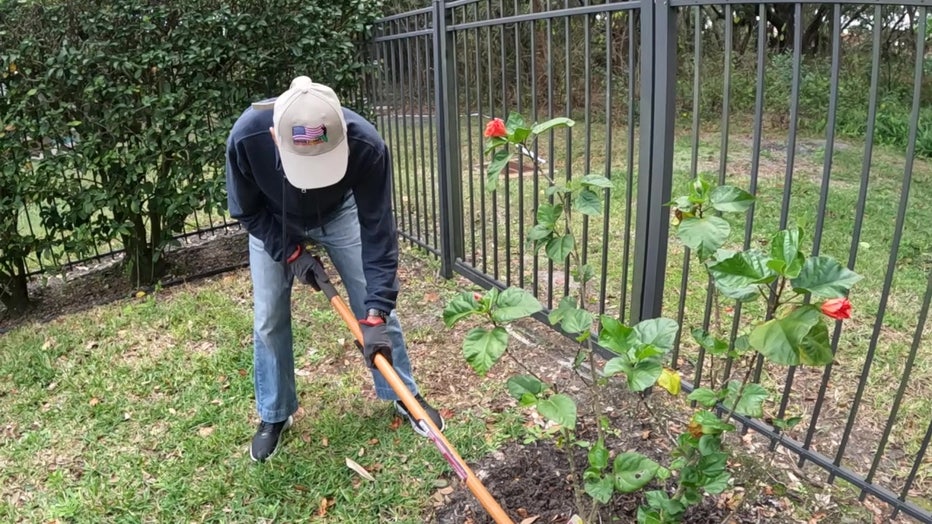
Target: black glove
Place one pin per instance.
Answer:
(375, 340)
(303, 265)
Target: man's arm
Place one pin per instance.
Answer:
(373, 193)
(247, 205)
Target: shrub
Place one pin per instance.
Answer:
(151, 89)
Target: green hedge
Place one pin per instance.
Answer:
(113, 115)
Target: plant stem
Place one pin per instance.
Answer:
(577, 493)
(744, 382)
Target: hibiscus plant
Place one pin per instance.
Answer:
(792, 332)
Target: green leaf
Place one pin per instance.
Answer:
(615, 366)
(538, 233)
(795, 339)
(494, 142)
(752, 399)
(588, 202)
(498, 163)
(643, 375)
(659, 332)
(584, 273)
(739, 275)
(558, 248)
(598, 455)
(548, 214)
(717, 484)
(557, 189)
(552, 124)
(560, 409)
(614, 335)
(704, 396)
(577, 321)
(514, 121)
(600, 488)
(483, 348)
(649, 516)
(784, 251)
(709, 444)
(816, 348)
(786, 424)
(824, 277)
(514, 303)
(521, 385)
(566, 304)
(703, 235)
(730, 199)
(711, 344)
(710, 423)
(520, 134)
(598, 181)
(632, 471)
(462, 306)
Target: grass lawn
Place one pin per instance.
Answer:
(142, 410)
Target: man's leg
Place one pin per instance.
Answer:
(340, 236)
(273, 356)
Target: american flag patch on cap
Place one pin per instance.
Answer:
(307, 135)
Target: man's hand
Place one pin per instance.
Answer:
(303, 264)
(375, 338)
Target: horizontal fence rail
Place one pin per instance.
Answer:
(822, 112)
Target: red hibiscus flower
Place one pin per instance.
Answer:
(837, 308)
(495, 128)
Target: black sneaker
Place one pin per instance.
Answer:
(431, 412)
(267, 438)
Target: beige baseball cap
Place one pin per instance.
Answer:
(311, 130)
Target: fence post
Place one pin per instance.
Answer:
(655, 162)
(448, 154)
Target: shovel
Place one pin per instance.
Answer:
(412, 405)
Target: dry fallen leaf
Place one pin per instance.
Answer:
(396, 423)
(94, 401)
(431, 297)
(205, 431)
(530, 520)
(322, 507)
(299, 487)
(324, 442)
(351, 464)
(446, 413)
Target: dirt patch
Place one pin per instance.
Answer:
(86, 286)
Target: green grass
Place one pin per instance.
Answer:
(142, 411)
(504, 255)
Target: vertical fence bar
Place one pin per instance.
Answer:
(587, 76)
(606, 210)
(895, 243)
(414, 103)
(629, 164)
(755, 150)
(693, 171)
(507, 196)
(520, 109)
(790, 168)
(658, 112)
(568, 109)
(550, 147)
(432, 116)
(535, 182)
(469, 143)
(449, 179)
(915, 469)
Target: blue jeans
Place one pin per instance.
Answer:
(273, 354)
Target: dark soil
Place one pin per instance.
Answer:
(535, 480)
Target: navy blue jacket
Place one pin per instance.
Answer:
(256, 185)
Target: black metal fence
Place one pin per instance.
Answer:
(821, 110)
